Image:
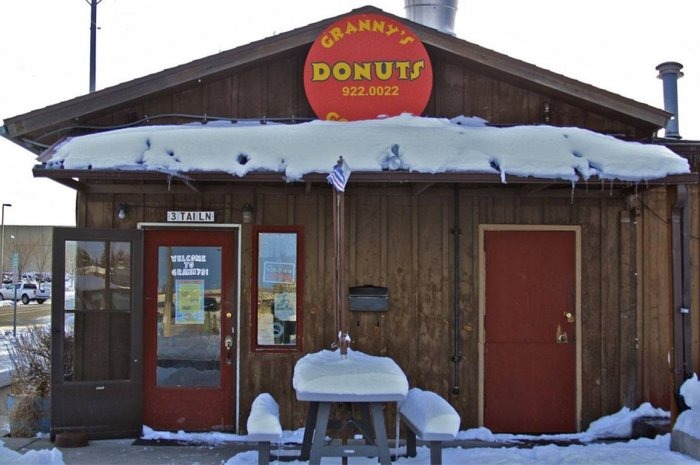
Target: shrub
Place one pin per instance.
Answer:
(30, 354)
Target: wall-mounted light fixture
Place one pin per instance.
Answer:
(247, 211)
(123, 208)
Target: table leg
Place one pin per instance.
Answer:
(309, 431)
(380, 433)
(324, 409)
(366, 423)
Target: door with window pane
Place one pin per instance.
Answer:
(189, 310)
(96, 322)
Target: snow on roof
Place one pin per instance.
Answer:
(415, 144)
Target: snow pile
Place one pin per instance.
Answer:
(326, 376)
(615, 426)
(689, 421)
(638, 452)
(430, 413)
(619, 425)
(213, 438)
(407, 143)
(31, 457)
(264, 416)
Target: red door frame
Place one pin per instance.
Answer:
(209, 408)
(483, 231)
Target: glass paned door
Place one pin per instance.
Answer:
(96, 318)
(189, 315)
(189, 310)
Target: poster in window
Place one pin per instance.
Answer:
(189, 303)
(279, 273)
(286, 306)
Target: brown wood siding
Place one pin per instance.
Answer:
(694, 196)
(274, 88)
(406, 242)
(656, 295)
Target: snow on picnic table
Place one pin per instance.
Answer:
(326, 376)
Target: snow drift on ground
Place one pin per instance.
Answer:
(689, 420)
(32, 457)
(416, 144)
(638, 452)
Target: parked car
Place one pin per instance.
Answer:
(43, 292)
(26, 292)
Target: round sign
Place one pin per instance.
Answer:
(366, 66)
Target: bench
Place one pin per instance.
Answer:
(264, 425)
(431, 419)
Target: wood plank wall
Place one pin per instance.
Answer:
(694, 196)
(274, 88)
(406, 242)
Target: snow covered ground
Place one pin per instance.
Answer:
(638, 452)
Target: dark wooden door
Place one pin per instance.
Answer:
(189, 340)
(96, 319)
(529, 323)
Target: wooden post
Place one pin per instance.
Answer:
(340, 282)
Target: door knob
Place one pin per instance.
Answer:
(228, 343)
(561, 336)
(570, 318)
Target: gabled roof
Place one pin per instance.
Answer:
(18, 127)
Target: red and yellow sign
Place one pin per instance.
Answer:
(365, 66)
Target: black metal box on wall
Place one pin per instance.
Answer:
(368, 298)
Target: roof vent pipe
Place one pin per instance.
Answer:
(438, 14)
(669, 73)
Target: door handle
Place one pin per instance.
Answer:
(561, 336)
(228, 344)
(570, 317)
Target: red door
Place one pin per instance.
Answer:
(529, 323)
(189, 310)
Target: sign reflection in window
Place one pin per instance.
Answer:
(277, 289)
(189, 316)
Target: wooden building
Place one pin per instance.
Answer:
(608, 263)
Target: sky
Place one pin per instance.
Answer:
(614, 45)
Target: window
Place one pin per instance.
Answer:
(277, 288)
(189, 316)
(97, 310)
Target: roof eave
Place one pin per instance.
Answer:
(21, 125)
(543, 77)
(76, 177)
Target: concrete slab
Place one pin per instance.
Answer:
(122, 452)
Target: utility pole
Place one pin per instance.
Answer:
(2, 247)
(93, 41)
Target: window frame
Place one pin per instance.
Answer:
(261, 229)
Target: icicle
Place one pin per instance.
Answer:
(573, 188)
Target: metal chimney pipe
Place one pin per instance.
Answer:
(438, 14)
(669, 73)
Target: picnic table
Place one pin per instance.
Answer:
(325, 378)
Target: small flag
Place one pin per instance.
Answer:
(339, 175)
